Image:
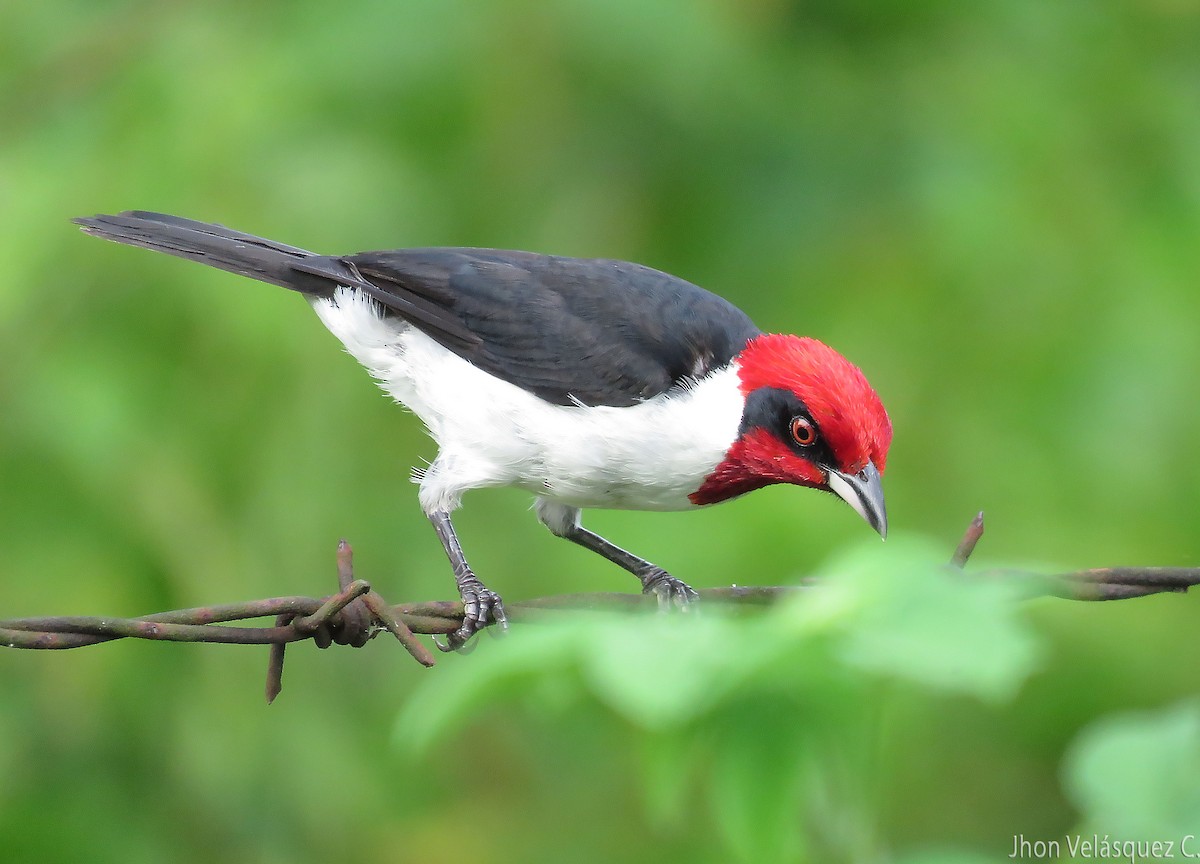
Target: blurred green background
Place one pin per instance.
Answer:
(992, 207)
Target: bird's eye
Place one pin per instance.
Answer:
(804, 432)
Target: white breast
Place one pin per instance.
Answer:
(648, 456)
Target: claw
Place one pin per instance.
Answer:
(481, 607)
(452, 644)
(671, 592)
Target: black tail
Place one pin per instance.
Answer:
(292, 268)
(218, 246)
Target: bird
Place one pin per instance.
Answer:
(591, 383)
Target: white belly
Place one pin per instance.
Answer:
(648, 456)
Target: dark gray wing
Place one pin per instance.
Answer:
(567, 329)
(595, 331)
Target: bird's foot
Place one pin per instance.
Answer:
(671, 592)
(481, 607)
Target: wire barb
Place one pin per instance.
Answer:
(356, 613)
(967, 544)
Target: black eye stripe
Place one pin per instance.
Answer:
(774, 409)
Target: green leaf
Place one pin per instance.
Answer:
(1134, 775)
(463, 686)
(934, 625)
(660, 671)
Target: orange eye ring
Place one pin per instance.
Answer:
(804, 432)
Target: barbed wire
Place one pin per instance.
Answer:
(357, 613)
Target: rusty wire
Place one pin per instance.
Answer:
(357, 613)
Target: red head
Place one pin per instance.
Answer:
(810, 419)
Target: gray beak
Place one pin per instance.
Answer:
(864, 492)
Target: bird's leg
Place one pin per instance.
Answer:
(655, 580)
(563, 521)
(481, 606)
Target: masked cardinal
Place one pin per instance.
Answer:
(588, 382)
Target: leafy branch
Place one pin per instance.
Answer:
(357, 613)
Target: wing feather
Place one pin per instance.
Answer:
(571, 330)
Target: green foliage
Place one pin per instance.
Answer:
(782, 700)
(1133, 776)
(932, 626)
(992, 207)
